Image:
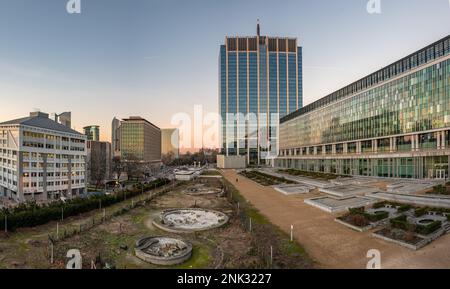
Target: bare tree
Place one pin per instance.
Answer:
(132, 167)
(96, 164)
(168, 158)
(117, 167)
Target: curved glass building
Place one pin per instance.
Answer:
(392, 123)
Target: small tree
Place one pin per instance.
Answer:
(117, 167)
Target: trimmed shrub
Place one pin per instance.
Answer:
(439, 190)
(404, 208)
(420, 212)
(379, 205)
(377, 217)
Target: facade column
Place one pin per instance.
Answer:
(417, 142)
(324, 150)
(345, 148)
(333, 149)
(358, 147)
(20, 194)
(443, 144)
(438, 140)
(44, 175)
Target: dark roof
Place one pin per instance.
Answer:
(41, 122)
(138, 118)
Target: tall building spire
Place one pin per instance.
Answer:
(258, 29)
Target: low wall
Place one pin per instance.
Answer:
(429, 201)
(231, 162)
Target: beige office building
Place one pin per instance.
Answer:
(41, 160)
(137, 140)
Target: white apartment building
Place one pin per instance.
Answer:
(41, 160)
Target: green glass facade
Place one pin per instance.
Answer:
(140, 141)
(133, 141)
(416, 102)
(392, 123)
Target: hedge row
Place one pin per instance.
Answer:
(32, 214)
(377, 217)
(401, 222)
(428, 229)
(400, 207)
(319, 175)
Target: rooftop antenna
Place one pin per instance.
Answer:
(258, 29)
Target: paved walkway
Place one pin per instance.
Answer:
(330, 244)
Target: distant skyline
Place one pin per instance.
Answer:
(158, 58)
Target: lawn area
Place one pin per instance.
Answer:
(210, 173)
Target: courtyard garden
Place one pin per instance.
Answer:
(415, 227)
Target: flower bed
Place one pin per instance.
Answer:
(362, 220)
(400, 236)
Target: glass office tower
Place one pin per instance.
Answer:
(392, 123)
(260, 80)
(92, 132)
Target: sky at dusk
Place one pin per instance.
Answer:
(157, 58)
